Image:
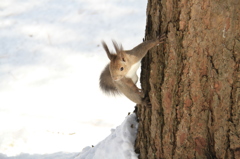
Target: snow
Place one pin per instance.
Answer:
(119, 144)
(50, 61)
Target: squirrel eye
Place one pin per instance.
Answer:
(121, 69)
(123, 59)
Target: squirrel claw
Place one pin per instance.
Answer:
(161, 38)
(147, 103)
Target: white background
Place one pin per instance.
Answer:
(50, 61)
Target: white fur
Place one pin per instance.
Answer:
(132, 73)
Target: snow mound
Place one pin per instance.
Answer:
(118, 145)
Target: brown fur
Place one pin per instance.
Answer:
(106, 82)
(113, 78)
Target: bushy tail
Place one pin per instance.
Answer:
(106, 82)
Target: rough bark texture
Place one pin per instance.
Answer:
(193, 81)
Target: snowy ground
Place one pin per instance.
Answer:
(50, 61)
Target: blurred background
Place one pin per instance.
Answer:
(50, 61)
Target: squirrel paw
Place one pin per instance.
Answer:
(140, 92)
(161, 38)
(146, 103)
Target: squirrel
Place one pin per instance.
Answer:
(119, 76)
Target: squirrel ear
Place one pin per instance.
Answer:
(119, 50)
(110, 56)
(117, 47)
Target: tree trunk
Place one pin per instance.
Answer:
(192, 80)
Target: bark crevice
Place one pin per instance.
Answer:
(192, 81)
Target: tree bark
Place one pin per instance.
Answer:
(192, 80)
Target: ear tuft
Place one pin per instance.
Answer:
(117, 47)
(110, 56)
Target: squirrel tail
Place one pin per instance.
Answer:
(106, 82)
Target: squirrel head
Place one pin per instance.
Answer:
(119, 65)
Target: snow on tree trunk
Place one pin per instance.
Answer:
(193, 81)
